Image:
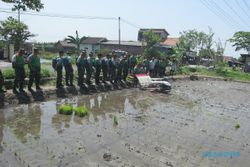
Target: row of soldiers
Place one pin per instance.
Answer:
(111, 67)
(18, 63)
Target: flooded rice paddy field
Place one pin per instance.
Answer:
(153, 129)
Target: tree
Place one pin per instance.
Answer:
(241, 40)
(14, 32)
(76, 40)
(25, 4)
(151, 40)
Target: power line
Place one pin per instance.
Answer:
(129, 23)
(218, 13)
(246, 4)
(242, 8)
(228, 16)
(61, 15)
(247, 25)
(3, 10)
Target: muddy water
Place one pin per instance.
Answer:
(153, 129)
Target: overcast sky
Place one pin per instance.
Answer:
(224, 16)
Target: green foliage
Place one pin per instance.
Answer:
(8, 73)
(14, 31)
(81, 111)
(76, 40)
(48, 55)
(45, 72)
(220, 71)
(200, 43)
(114, 120)
(241, 40)
(25, 4)
(237, 126)
(151, 39)
(65, 109)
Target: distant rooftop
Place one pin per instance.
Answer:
(66, 44)
(128, 43)
(171, 41)
(93, 40)
(157, 30)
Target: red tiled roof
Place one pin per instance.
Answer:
(227, 58)
(171, 41)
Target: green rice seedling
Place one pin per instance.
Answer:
(81, 111)
(65, 109)
(114, 120)
(237, 126)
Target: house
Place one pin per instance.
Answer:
(245, 59)
(161, 32)
(65, 46)
(171, 42)
(132, 47)
(92, 44)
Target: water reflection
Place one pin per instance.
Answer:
(25, 120)
(59, 121)
(102, 105)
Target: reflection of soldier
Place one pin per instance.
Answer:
(18, 63)
(35, 68)
(98, 67)
(69, 76)
(1, 82)
(29, 124)
(59, 70)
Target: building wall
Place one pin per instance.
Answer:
(248, 60)
(90, 48)
(127, 48)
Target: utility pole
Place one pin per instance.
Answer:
(119, 31)
(19, 15)
(18, 12)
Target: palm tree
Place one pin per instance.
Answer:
(76, 40)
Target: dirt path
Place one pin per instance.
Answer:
(153, 129)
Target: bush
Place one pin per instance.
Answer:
(45, 72)
(65, 109)
(81, 111)
(191, 69)
(8, 73)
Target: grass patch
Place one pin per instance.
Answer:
(66, 109)
(225, 72)
(46, 71)
(81, 111)
(237, 126)
(114, 120)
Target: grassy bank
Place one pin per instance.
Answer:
(225, 72)
(46, 71)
